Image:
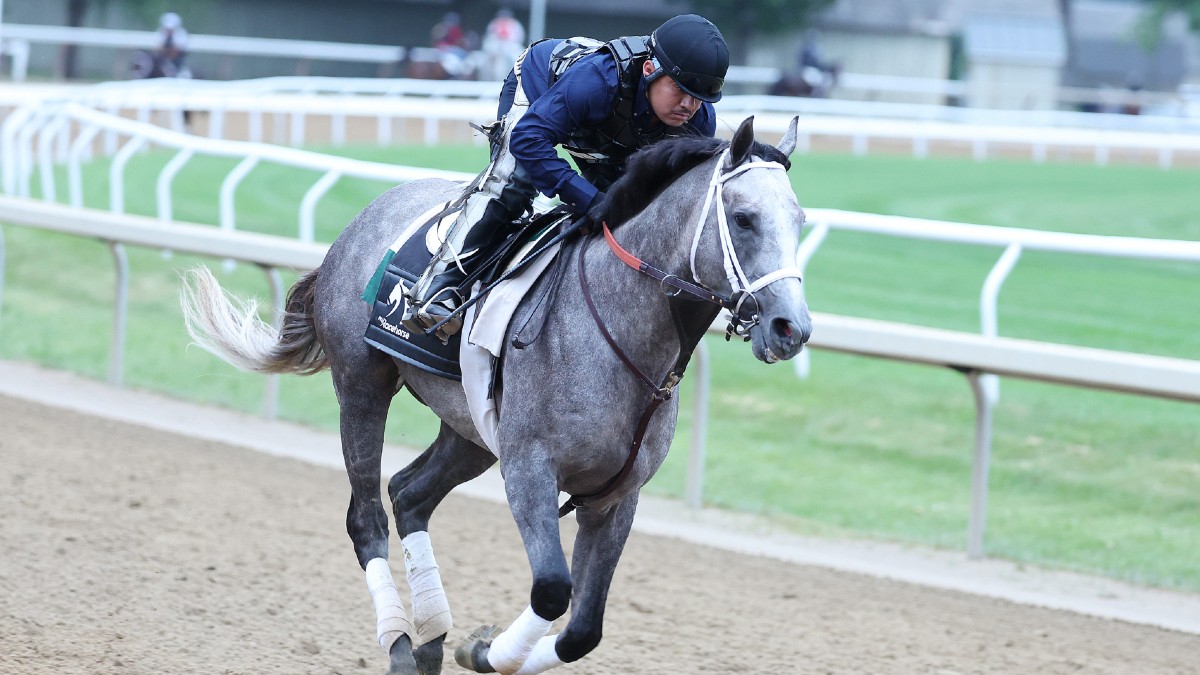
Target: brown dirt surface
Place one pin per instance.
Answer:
(133, 550)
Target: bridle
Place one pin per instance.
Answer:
(740, 321)
(742, 316)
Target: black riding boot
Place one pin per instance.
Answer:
(443, 298)
(443, 294)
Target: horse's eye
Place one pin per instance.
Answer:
(742, 220)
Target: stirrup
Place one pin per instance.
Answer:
(420, 318)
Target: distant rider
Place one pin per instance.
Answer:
(172, 47)
(503, 42)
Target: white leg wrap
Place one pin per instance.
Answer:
(542, 658)
(431, 609)
(391, 621)
(511, 648)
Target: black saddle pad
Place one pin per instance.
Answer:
(422, 350)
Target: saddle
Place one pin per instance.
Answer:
(409, 256)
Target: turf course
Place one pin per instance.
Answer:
(1082, 480)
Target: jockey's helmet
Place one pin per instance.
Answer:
(691, 50)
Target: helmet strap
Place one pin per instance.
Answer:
(659, 71)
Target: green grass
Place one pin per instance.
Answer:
(1083, 480)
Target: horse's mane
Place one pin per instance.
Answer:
(651, 169)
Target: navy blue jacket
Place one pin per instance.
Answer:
(582, 98)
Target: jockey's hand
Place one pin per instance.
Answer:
(581, 224)
(590, 219)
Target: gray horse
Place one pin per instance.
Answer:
(704, 223)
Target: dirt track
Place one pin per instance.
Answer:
(130, 550)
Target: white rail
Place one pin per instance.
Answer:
(984, 140)
(45, 130)
(1104, 369)
(1166, 140)
(983, 357)
(1177, 123)
(197, 95)
(216, 44)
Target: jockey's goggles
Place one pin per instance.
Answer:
(697, 85)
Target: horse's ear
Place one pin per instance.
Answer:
(788, 145)
(743, 141)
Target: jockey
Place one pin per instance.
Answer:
(600, 102)
(172, 48)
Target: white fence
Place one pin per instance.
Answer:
(55, 145)
(18, 37)
(291, 102)
(21, 35)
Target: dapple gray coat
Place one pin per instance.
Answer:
(568, 406)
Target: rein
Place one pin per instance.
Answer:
(739, 323)
(659, 393)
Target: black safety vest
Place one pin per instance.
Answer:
(600, 151)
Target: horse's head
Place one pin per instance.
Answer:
(742, 226)
(753, 230)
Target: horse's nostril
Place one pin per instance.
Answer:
(782, 328)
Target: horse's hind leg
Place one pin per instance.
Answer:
(415, 492)
(364, 393)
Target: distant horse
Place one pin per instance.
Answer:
(147, 64)
(808, 82)
(427, 63)
(716, 224)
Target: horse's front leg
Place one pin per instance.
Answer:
(532, 490)
(598, 546)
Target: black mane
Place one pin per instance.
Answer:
(650, 170)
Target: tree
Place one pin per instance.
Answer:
(1150, 27)
(743, 19)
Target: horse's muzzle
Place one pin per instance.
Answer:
(780, 338)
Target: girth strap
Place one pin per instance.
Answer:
(578, 500)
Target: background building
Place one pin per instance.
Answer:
(1001, 53)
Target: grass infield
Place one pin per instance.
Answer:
(1082, 480)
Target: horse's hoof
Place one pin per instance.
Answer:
(472, 654)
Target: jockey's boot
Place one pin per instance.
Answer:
(443, 297)
(437, 299)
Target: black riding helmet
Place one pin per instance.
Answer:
(691, 50)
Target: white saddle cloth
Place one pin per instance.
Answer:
(484, 329)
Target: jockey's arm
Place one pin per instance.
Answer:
(583, 97)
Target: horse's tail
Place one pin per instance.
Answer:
(230, 328)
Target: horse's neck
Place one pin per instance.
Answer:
(662, 236)
(635, 307)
